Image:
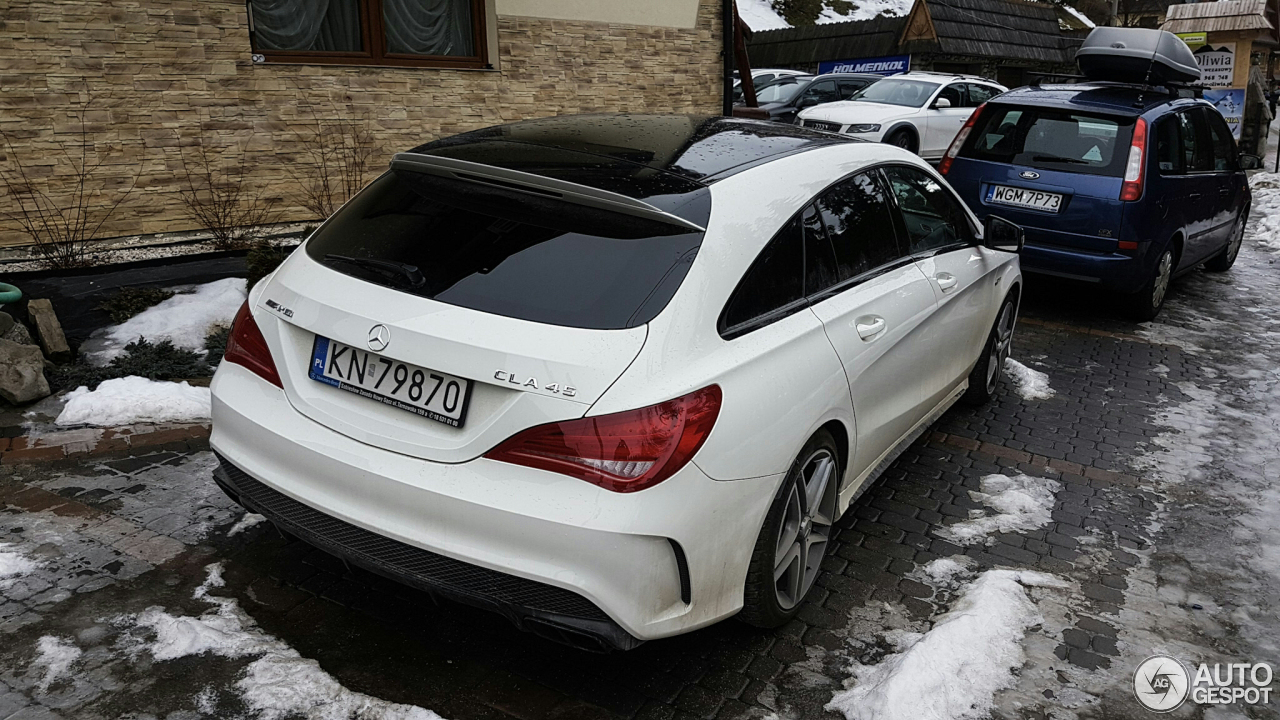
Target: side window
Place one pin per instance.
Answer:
(1168, 154)
(859, 223)
(1197, 155)
(823, 91)
(820, 270)
(848, 88)
(774, 281)
(1224, 146)
(952, 93)
(932, 215)
(979, 94)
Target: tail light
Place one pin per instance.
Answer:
(958, 141)
(623, 452)
(247, 347)
(1132, 187)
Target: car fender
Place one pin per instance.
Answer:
(897, 125)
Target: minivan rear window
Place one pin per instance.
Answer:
(1052, 139)
(510, 253)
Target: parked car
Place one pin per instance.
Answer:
(786, 96)
(600, 373)
(760, 78)
(1118, 185)
(917, 111)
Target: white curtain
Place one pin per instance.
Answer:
(307, 24)
(428, 27)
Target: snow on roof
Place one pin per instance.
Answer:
(1079, 16)
(760, 15)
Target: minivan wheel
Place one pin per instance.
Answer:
(1145, 304)
(795, 535)
(986, 373)
(1223, 261)
(902, 139)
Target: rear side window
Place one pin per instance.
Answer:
(772, 285)
(1168, 150)
(1197, 150)
(979, 94)
(1052, 139)
(515, 256)
(1224, 146)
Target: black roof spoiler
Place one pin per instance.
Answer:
(536, 185)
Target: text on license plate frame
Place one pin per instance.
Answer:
(995, 191)
(320, 358)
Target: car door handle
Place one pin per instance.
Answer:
(1224, 191)
(946, 281)
(1193, 196)
(869, 326)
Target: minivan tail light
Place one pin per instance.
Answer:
(1132, 187)
(247, 347)
(956, 143)
(623, 452)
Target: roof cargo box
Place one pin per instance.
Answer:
(1136, 55)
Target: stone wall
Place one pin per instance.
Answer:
(159, 75)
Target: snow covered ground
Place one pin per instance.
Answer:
(1021, 502)
(1030, 384)
(186, 319)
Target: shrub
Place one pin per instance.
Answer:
(132, 300)
(156, 361)
(218, 198)
(264, 257)
(215, 344)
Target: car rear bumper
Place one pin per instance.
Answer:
(556, 555)
(1114, 271)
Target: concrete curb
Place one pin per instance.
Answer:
(90, 442)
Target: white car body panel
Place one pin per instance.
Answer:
(425, 484)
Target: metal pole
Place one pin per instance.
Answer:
(727, 15)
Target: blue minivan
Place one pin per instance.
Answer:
(1119, 185)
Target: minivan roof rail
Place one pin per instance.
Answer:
(532, 184)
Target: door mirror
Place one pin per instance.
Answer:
(941, 103)
(1000, 234)
(1250, 162)
(806, 102)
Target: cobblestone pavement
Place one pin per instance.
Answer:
(1161, 437)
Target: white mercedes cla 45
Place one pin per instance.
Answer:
(614, 377)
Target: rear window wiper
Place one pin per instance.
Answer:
(1055, 158)
(390, 268)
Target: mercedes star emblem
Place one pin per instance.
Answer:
(379, 338)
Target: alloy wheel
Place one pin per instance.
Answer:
(1001, 344)
(1160, 285)
(805, 529)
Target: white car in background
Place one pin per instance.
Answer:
(614, 377)
(917, 111)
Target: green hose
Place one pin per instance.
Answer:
(9, 294)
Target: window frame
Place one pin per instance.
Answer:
(373, 39)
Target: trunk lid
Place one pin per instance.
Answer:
(306, 299)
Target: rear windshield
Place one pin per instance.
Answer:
(1052, 139)
(781, 91)
(510, 253)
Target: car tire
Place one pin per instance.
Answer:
(1223, 261)
(1145, 304)
(794, 538)
(985, 377)
(903, 139)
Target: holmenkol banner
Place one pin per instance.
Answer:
(891, 65)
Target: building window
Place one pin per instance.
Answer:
(419, 33)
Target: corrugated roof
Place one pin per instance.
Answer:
(1225, 15)
(977, 28)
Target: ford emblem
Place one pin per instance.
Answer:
(1029, 175)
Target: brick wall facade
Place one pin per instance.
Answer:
(160, 74)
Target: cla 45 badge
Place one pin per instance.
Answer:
(510, 377)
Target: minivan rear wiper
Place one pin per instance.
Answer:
(1055, 158)
(387, 267)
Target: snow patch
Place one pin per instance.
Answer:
(760, 15)
(185, 319)
(55, 656)
(1078, 15)
(133, 399)
(279, 684)
(945, 572)
(1030, 384)
(1264, 213)
(246, 522)
(1023, 503)
(953, 671)
(14, 564)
